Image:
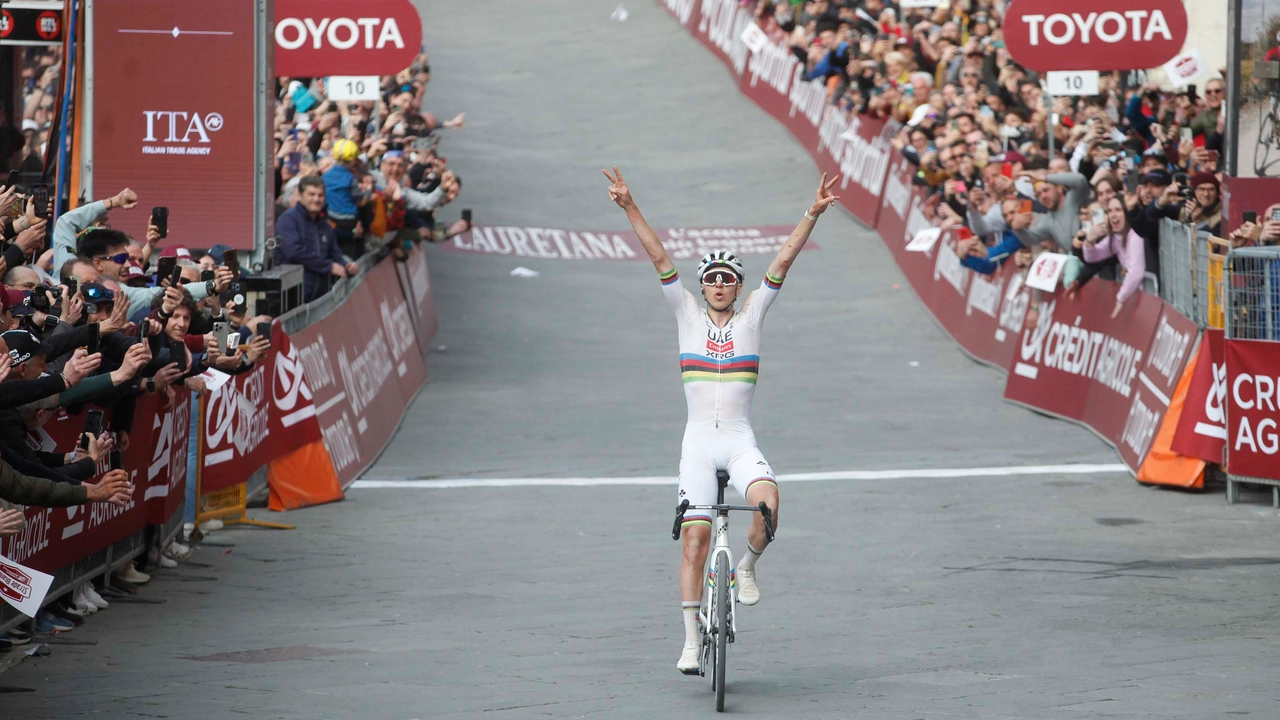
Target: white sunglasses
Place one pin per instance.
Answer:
(722, 277)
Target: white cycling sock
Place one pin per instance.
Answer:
(748, 561)
(690, 613)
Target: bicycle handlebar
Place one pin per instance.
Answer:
(762, 508)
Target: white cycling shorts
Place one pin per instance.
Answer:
(708, 448)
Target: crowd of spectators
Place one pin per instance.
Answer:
(358, 176)
(979, 130)
(92, 320)
(88, 326)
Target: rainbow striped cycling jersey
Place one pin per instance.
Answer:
(719, 365)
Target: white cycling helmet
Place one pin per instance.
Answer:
(720, 257)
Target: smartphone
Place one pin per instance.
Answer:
(1024, 207)
(963, 233)
(160, 218)
(13, 178)
(232, 261)
(117, 460)
(165, 266)
(1185, 135)
(220, 331)
(72, 286)
(1275, 214)
(293, 162)
(466, 215)
(1251, 217)
(1006, 169)
(1098, 216)
(264, 330)
(206, 275)
(92, 426)
(175, 278)
(91, 347)
(961, 187)
(40, 197)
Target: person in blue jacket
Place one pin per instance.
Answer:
(307, 238)
(346, 195)
(986, 260)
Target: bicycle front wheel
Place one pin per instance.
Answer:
(722, 624)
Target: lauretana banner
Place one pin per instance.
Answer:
(681, 243)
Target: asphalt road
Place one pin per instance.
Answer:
(1022, 596)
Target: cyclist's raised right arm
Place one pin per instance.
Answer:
(621, 194)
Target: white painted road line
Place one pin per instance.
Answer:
(935, 473)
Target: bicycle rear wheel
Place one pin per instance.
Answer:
(722, 625)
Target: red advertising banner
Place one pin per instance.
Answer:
(984, 314)
(156, 462)
(173, 115)
(681, 243)
(772, 77)
(1202, 429)
(364, 368)
(1117, 34)
(1253, 408)
(1079, 363)
(339, 37)
(1162, 365)
(415, 282)
(169, 443)
(257, 416)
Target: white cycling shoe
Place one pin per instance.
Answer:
(748, 591)
(690, 663)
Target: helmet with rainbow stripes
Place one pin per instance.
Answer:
(720, 258)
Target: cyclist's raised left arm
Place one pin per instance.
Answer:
(822, 200)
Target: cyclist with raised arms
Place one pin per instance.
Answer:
(719, 362)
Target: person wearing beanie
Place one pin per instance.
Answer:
(1204, 208)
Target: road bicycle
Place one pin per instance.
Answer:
(717, 620)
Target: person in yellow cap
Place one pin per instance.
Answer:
(345, 194)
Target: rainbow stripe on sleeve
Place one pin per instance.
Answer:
(772, 282)
(698, 368)
(669, 276)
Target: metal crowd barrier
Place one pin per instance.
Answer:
(1191, 272)
(1252, 289)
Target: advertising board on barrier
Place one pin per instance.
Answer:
(1253, 408)
(363, 366)
(257, 416)
(152, 125)
(1202, 429)
(1162, 365)
(681, 243)
(157, 464)
(1080, 363)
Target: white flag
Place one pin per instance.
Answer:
(23, 587)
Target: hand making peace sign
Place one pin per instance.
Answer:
(618, 190)
(823, 198)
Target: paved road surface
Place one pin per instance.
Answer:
(1032, 596)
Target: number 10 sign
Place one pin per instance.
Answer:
(352, 87)
(1073, 82)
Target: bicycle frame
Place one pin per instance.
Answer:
(720, 535)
